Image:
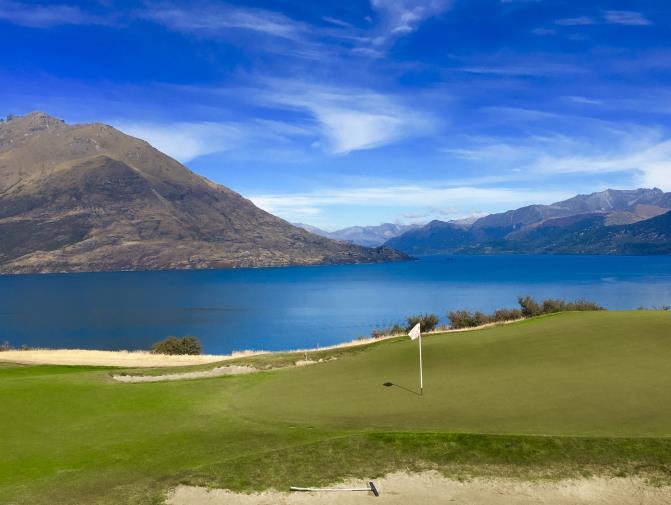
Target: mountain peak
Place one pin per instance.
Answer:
(87, 197)
(32, 122)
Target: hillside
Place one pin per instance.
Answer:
(608, 222)
(89, 198)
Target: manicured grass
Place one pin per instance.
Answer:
(556, 396)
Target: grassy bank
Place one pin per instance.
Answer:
(555, 396)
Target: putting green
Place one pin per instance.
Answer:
(596, 373)
(594, 385)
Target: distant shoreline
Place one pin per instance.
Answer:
(130, 359)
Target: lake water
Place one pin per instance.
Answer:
(285, 308)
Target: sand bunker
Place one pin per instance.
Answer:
(215, 372)
(433, 488)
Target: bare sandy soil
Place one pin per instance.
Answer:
(103, 358)
(433, 488)
(219, 371)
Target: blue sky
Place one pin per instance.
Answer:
(362, 112)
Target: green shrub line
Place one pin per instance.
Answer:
(175, 345)
(460, 319)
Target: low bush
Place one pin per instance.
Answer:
(528, 308)
(393, 330)
(460, 319)
(501, 315)
(582, 304)
(427, 322)
(6, 346)
(175, 345)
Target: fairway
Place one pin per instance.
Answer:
(552, 396)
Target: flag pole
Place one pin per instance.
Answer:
(421, 372)
(414, 334)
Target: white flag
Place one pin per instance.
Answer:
(414, 333)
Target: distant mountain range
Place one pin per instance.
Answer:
(368, 236)
(90, 198)
(609, 222)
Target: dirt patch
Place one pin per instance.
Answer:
(215, 372)
(433, 488)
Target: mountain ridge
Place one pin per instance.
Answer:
(572, 226)
(88, 197)
(367, 236)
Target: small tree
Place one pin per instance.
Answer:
(480, 318)
(174, 345)
(427, 322)
(582, 304)
(501, 315)
(530, 307)
(460, 319)
(552, 305)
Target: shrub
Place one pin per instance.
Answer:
(395, 329)
(529, 306)
(460, 319)
(174, 345)
(501, 315)
(551, 306)
(6, 346)
(480, 318)
(583, 304)
(427, 322)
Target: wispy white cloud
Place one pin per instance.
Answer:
(579, 21)
(351, 119)
(643, 154)
(544, 31)
(401, 17)
(611, 17)
(217, 18)
(337, 22)
(446, 199)
(583, 100)
(649, 166)
(186, 141)
(524, 69)
(629, 18)
(45, 16)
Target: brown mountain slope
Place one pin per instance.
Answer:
(90, 198)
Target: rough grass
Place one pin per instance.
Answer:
(564, 395)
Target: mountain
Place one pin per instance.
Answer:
(608, 222)
(87, 197)
(369, 236)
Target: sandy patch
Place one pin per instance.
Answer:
(215, 372)
(433, 488)
(104, 358)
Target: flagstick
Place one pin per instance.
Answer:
(421, 373)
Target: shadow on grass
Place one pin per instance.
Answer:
(391, 384)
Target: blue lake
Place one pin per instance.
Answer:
(285, 308)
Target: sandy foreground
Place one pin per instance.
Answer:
(104, 358)
(433, 488)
